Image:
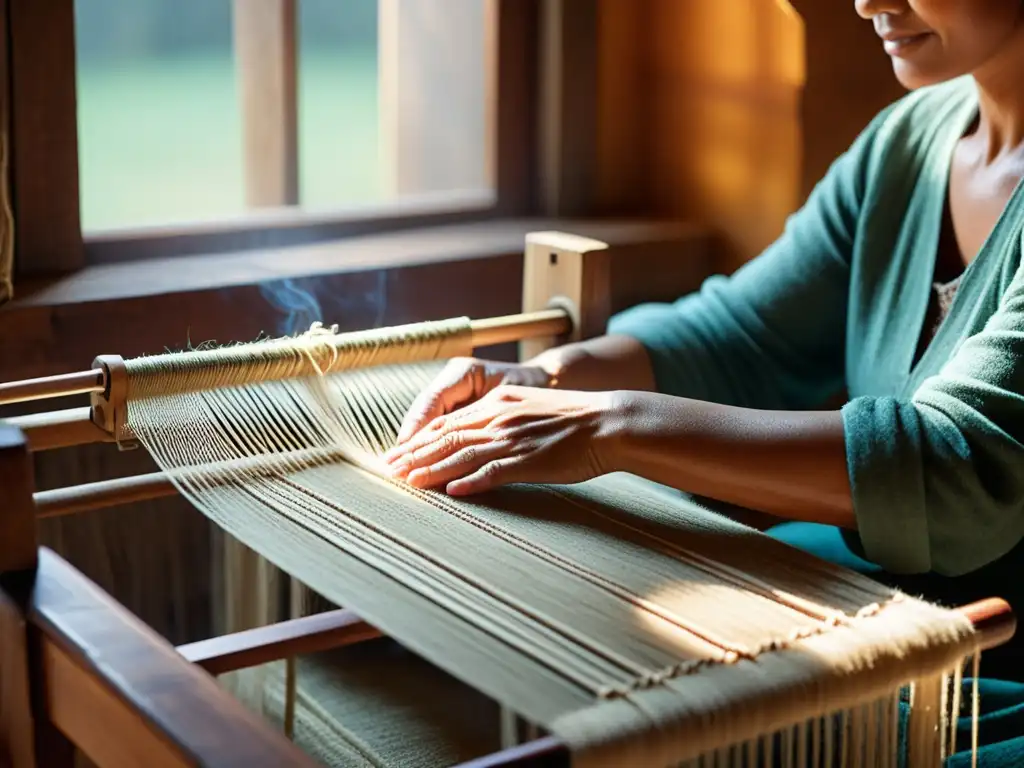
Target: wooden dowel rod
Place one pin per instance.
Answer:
(309, 634)
(102, 494)
(155, 485)
(60, 429)
(533, 325)
(65, 384)
(486, 332)
(993, 620)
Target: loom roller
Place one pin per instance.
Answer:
(993, 618)
(104, 383)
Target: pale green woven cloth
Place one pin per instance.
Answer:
(376, 705)
(639, 627)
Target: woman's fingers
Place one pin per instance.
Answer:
(493, 474)
(476, 416)
(458, 465)
(440, 448)
(453, 387)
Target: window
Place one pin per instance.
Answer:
(201, 109)
(188, 126)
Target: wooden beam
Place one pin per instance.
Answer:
(107, 673)
(44, 132)
(267, 70)
(309, 634)
(18, 544)
(568, 107)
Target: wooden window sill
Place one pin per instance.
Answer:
(144, 307)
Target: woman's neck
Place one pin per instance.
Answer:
(1001, 101)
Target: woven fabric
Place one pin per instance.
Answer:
(641, 628)
(377, 705)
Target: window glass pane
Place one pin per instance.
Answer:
(433, 96)
(390, 99)
(159, 126)
(340, 160)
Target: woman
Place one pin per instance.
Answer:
(900, 280)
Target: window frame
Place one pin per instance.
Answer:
(44, 167)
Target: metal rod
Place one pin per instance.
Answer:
(486, 332)
(62, 385)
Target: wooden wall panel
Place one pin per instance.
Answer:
(727, 112)
(726, 81)
(849, 80)
(623, 108)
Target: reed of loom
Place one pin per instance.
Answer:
(77, 666)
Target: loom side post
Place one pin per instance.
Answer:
(568, 272)
(27, 738)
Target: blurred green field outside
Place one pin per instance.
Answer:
(160, 133)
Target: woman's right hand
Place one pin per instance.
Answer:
(463, 381)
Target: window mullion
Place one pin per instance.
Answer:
(265, 39)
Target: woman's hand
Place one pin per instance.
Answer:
(512, 435)
(463, 381)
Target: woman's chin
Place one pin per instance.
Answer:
(912, 75)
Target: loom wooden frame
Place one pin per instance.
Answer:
(75, 662)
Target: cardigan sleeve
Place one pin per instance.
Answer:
(938, 479)
(771, 335)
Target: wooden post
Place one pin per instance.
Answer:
(18, 553)
(574, 273)
(18, 546)
(563, 270)
(266, 60)
(42, 117)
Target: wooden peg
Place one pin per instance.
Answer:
(571, 272)
(109, 406)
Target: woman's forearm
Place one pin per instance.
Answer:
(605, 363)
(788, 464)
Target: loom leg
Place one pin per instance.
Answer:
(27, 737)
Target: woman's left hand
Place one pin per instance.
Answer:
(511, 435)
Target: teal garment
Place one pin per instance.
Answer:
(935, 449)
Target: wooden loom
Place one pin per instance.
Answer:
(77, 667)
